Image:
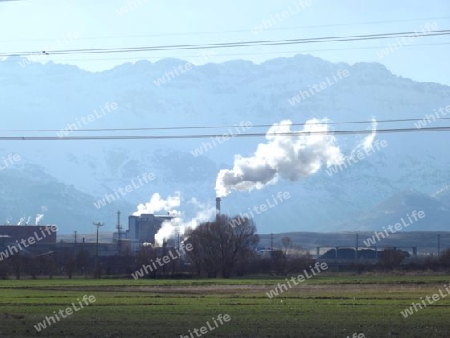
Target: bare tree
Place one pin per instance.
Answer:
(279, 262)
(287, 244)
(218, 246)
(391, 258)
(444, 258)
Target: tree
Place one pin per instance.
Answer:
(279, 262)
(82, 260)
(70, 265)
(444, 258)
(48, 265)
(16, 261)
(218, 246)
(3, 270)
(287, 243)
(391, 258)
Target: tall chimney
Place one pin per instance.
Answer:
(217, 209)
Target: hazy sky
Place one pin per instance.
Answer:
(36, 25)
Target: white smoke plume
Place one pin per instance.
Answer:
(178, 225)
(39, 218)
(287, 156)
(282, 156)
(367, 142)
(157, 203)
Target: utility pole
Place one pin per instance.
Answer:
(119, 229)
(439, 245)
(271, 242)
(74, 243)
(98, 224)
(356, 247)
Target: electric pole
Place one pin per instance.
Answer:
(98, 224)
(356, 247)
(119, 229)
(439, 245)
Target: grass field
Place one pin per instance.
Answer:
(324, 306)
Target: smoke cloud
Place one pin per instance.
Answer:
(39, 218)
(157, 203)
(367, 142)
(178, 225)
(289, 157)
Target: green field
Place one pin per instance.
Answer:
(324, 306)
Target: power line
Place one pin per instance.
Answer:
(231, 44)
(225, 32)
(240, 54)
(216, 127)
(195, 136)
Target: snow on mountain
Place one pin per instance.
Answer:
(72, 175)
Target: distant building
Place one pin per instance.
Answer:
(29, 240)
(142, 229)
(42, 234)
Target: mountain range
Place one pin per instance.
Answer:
(63, 179)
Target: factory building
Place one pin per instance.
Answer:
(141, 229)
(29, 239)
(42, 233)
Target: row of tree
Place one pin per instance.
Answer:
(224, 248)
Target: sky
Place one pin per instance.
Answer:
(38, 25)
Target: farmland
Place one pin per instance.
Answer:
(324, 306)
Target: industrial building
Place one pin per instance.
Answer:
(42, 233)
(29, 239)
(141, 229)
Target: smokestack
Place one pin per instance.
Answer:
(217, 209)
